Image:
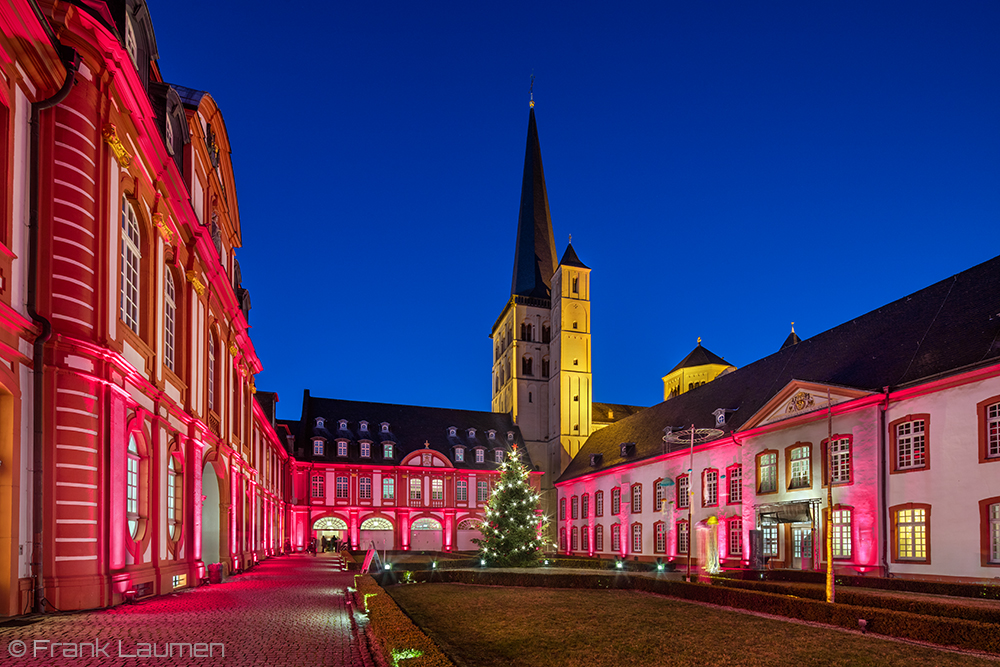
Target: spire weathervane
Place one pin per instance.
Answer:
(531, 92)
(571, 239)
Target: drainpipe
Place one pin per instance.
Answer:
(71, 59)
(883, 520)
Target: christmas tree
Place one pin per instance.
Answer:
(511, 534)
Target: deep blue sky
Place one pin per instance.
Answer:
(724, 168)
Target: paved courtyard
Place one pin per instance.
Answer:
(287, 611)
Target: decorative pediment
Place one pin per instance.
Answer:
(799, 398)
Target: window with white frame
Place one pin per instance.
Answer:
(616, 501)
(799, 477)
(342, 487)
(616, 537)
(683, 491)
(175, 498)
(710, 494)
(317, 448)
(366, 450)
(459, 454)
(437, 489)
(482, 492)
(993, 431)
(132, 486)
(318, 487)
(599, 503)
(660, 537)
(387, 450)
(842, 533)
(131, 260)
(562, 539)
(585, 506)
(767, 472)
(169, 316)
(211, 371)
(598, 537)
(636, 498)
(994, 532)
(585, 538)
(388, 488)
(416, 487)
(365, 488)
(637, 538)
(498, 455)
(770, 530)
(575, 539)
(911, 534)
(661, 496)
(840, 457)
(735, 484)
(480, 456)
(462, 491)
(575, 507)
(911, 445)
(735, 537)
(341, 448)
(562, 509)
(683, 537)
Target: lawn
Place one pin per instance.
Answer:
(483, 626)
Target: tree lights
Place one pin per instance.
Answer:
(511, 532)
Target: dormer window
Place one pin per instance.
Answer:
(387, 450)
(472, 434)
(498, 455)
(320, 422)
(480, 456)
(168, 134)
(341, 448)
(510, 436)
(366, 449)
(459, 454)
(385, 427)
(342, 424)
(130, 44)
(364, 427)
(317, 448)
(452, 431)
(720, 416)
(628, 448)
(596, 459)
(491, 434)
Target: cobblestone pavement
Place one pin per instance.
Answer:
(289, 611)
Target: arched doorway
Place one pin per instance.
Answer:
(328, 528)
(377, 530)
(468, 530)
(426, 535)
(211, 526)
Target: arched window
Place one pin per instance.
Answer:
(133, 459)
(131, 259)
(526, 366)
(175, 498)
(169, 318)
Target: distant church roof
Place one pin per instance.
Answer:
(569, 258)
(700, 356)
(535, 254)
(792, 339)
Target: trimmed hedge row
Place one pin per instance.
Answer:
(862, 598)
(958, 632)
(393, 634)
(981, 591)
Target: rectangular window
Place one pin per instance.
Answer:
(387, 451)
(576, 539)
(993, 431)
(416, 486)
(802, 543)
(365, 488)
(482, 492)
(388, 488)
(767, 472)
(636, 498)
(637, 538)
(616, 538)
(911, 445)
(498, 455)
(317, 448)
(562, 539)
(318, 488)
(842, 533)
(735, 485)
(840, 455)
(585, 506)
(480, 456)
(710, 495)
(598, 538)
(437, 489)
(682, 537)
(770, 530)
(616, 501)
(575, 507)
(994, 532)
(585, 539)
(341, 449)
(911, 534)
(341, 487)
(366, 449)
(683, 492)
(459, 454)
(736, 537)
(562, 509)
(462, 491)
(660, 497)
(660, 533)
(799, 477)
(599, 503)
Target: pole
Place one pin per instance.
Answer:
(830, 593)
(690, 503)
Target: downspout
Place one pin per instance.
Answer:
(71, 59)
(883, 519)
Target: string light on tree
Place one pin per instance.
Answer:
(511, 534)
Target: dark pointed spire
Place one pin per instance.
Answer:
(535, 253)
(793, 338)
(570, 258)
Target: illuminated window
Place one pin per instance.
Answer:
(799, 476)
(212, 354)
(169, 315)
(993, 429)
(562, 509)
(683, 537)
(575, 507)
(911, 532)
(988, 413)
(462, 491)
(575, 539)
(616, 501)
(562, 539)
(416, 487)
(993, 530)
(175, 498)
(802, 543)
(437, 489)
(342, 487)
(840, 453)
(365, 488)
(498, 455)
(366, 450)
(388, 488)
(767, 472)
(387, 450)
(317, 448)
(909, 443)
(132, 486)
(637, 538)
(735, 476)
(131, 259)
(710, 491)
(318, 487)
(842, 533)
(636, 498)
(661, 496)
(585, 539)
(585, 506)
(482, 492)
(770, 530)
(616, 538)
(660, 537)
(599, 503)
(735, 534)
(480, 456)
(683, 491)
(598, 537)
(459, 454)
(341, 448)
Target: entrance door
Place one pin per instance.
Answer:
(802, 547)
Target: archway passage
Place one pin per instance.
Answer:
(211, 526)
(426, 534)
(377, 531)
(328, 528)
(468, 530)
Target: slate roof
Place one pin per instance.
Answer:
(409, 428)
(793, 339)
(612, 412)
(949, 327)
(189, 96)
(569, 258)
(535, 252)
(700, 356)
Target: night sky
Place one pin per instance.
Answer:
(724, 168)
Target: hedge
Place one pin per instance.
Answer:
(392, 633)
(962, 633)
(952, 589)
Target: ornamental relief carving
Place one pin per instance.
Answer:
(799, 402)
